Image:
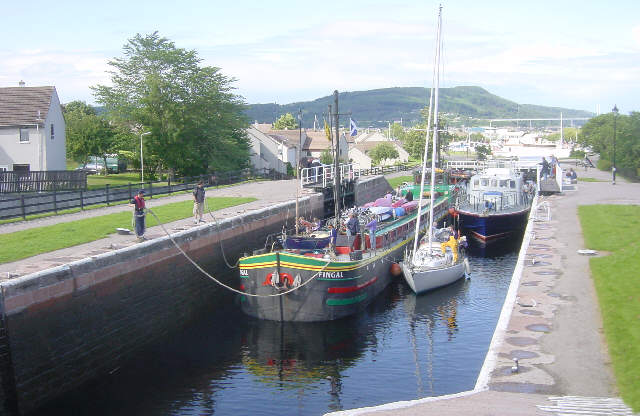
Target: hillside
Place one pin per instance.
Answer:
(376, 107)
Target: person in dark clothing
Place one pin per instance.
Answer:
(353, 225)
(546, 169)
(198, 203)
(139, 214)
(409, 196)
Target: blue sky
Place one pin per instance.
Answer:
(576, 54)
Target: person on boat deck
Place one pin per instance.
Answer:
(317, 224)
(333, 236)
(306, 224)
(372, 227)
(409, 196)
(553, 162)
(353, 226)
(544, 171)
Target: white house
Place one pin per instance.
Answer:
(359, 153)
(32, 129)
(269, 152)
(318, 143)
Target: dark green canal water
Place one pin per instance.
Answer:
(403, 347)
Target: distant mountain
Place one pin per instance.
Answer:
(376, 107)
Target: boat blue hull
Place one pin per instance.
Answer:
(496, 226)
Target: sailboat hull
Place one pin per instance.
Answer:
(424, 280)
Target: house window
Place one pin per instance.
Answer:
(24, 135)
(52, 132)
(4, 168)
(21, 168)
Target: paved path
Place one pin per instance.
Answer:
(551, 322)
(267, 193)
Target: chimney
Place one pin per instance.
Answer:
(21, 83)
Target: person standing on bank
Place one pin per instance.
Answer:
(198, 203)
(139, 214)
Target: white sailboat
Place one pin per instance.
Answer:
(433, 264)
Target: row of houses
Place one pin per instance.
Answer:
(273, 149)
(32, 137)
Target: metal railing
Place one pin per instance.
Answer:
(511, 201)
(323, 175)
(493, 163)
(40, 203)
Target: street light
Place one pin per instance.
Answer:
(142, 159)
(613, 162)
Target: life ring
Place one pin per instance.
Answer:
(284, 277)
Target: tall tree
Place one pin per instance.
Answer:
(88, 134)
(597, 134)
(196, 122)
(285, 122)
(383, 151)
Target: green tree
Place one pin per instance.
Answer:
(414, 138)
(597, 134)
(568, 133)
(196, 122)
(88, 134)
(285, 122)
(326, 157)
(482, 152)
(383, 151)
(397, 131)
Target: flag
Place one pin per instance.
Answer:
(327, 130)
(353, 127)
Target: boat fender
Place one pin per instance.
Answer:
(467, 268)
(395, 270)
(274, 279)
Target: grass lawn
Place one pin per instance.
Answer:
(615, 229)
(589, 180)
(27, 243)
(394, 182)
(116, 179)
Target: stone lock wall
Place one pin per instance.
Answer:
(66, 325)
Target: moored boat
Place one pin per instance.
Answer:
(323, 283)
(432, 263)
(496, 205)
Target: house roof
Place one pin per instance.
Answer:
(318, 140)
(21, 106)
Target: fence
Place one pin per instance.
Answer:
(42, 181)
(23, 205)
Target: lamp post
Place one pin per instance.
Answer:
(142, 159)
(613, 158)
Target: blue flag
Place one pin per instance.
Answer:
(353, 127)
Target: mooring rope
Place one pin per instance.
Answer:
(197, 266)
(224, 257)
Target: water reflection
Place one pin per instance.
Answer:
(402, 347)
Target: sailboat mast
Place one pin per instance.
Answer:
(426, 144)
(435, 126)
(336, 162)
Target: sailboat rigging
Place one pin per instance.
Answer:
(427, 266)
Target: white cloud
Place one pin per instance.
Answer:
(635, 35)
